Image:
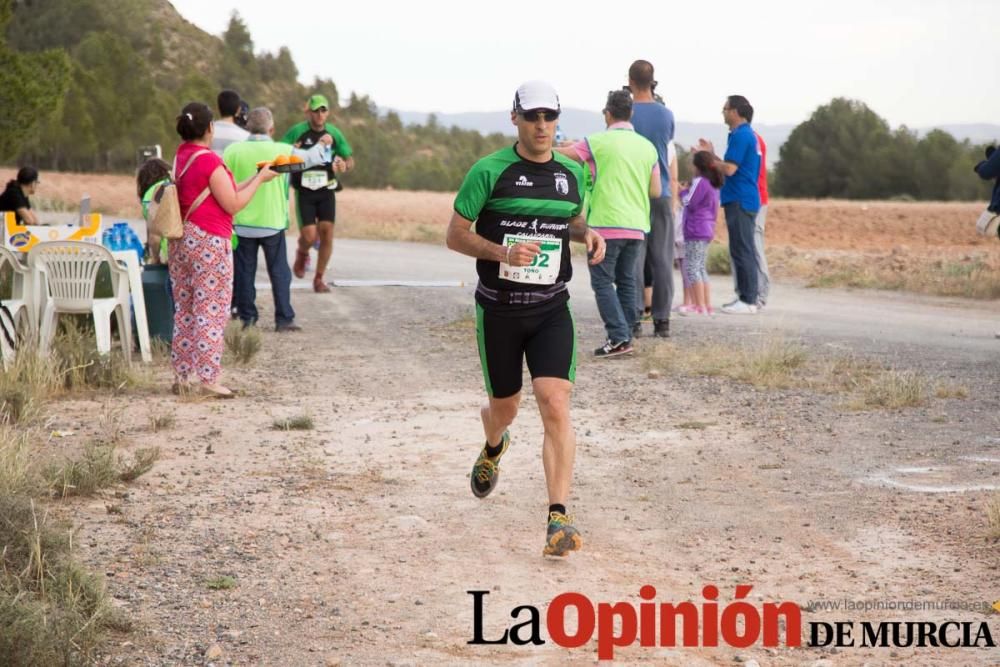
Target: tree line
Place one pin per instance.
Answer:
(846, 151)
(84, 83)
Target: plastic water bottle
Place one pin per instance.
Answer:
(128, 239)
(106, 238)
(117, 237)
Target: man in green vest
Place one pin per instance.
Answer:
(625, 174)
(262, 223)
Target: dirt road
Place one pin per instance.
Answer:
(356, 542)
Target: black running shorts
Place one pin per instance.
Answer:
(316, 206)
(547, 339)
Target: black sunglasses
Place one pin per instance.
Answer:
(532, 116)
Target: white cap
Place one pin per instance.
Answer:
(536, 95)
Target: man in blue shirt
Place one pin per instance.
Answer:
(653, 120)
(740, 199)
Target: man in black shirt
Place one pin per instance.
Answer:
(526, 203)
(315, 187)
(15, 197)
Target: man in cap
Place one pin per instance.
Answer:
(314, 188)
(525, 202)
(625, 173)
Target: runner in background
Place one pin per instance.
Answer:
(315, 187)
(525, 202)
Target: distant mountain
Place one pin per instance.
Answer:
(578, 123)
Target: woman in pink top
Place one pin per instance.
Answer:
(201, 261)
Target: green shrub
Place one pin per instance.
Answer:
(718, 261)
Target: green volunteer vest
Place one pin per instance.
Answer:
(620, 196)
(268, 208)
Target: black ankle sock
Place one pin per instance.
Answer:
(556, 507)
(494, 452)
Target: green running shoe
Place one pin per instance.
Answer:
(561, 537)
(486, 471)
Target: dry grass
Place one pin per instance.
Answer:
(891, 390)
(81, 367)
(140, 463)
(973, 275)
(98, 468)
(220, 583)
(770, 362)
(303, 422)
(993, 516)
(161, 422)
(242, 343)
(777, 363)
(52, 611)
(101, 464)
(948, 390)
(695, 425)
(26, 386)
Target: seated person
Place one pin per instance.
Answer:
(15, 197)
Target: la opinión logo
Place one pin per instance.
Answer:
(617, 624)
(738, 624)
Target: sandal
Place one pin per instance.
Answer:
(215, 391)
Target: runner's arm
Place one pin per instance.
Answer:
(462, 239)
(579, 231)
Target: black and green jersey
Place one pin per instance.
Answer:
(505, 194)
(303, 136)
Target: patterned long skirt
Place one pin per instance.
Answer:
(201, 269)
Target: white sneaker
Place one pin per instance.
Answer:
(739, 308)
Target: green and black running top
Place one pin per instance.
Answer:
(303, 136)
(506, 194)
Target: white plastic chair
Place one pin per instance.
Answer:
(19, 316)
(70, 269)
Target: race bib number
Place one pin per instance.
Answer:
(544, 269)
(314, 180)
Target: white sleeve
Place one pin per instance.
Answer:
(671, 152)
(313, 157)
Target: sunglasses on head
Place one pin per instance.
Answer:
(532, 116)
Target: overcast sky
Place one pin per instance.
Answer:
(918, 62)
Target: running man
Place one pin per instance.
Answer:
(525, 202)
(314, 188)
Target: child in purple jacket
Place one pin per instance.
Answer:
(701, 206)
